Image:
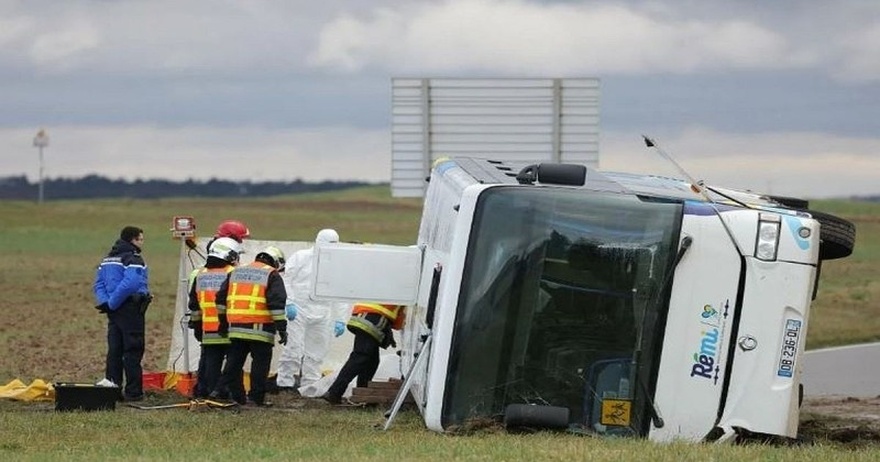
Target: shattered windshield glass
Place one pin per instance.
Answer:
(562, 304)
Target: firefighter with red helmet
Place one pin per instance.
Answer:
(233, 229)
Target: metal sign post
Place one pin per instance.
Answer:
(184, 321)
(183, 228)
(41, 141)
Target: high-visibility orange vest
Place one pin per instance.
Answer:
(207, 283)
(246, 308)
(394, 313)
(391, 314)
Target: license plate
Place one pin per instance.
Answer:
(791, 337)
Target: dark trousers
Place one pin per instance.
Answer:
(210, 368)
(362, 363)
(261, 359)
(125, 348)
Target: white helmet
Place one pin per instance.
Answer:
(327, 235)
(225, 248)
(276, 255)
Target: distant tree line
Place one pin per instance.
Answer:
(94, 186)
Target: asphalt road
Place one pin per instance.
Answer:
(852, 370)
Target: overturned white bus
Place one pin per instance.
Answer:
(553, 295)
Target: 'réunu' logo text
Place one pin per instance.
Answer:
(705, 360)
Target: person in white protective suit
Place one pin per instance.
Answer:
(312, 323)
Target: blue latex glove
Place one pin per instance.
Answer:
(339, 329)
(290, 310)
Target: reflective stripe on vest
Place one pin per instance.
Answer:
(246, 308)
(208, 282)
(192, 276)
(255, 332)
(388, 311)
(360, 321)
(195, 315)
(215, 339)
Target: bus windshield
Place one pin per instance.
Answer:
(563, 303)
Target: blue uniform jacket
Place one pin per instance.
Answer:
(120, 275)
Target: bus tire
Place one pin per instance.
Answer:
(837, 236)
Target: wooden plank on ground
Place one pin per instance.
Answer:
(379, 392)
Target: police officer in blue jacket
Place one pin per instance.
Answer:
(122, 291)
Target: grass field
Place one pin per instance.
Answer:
(52, 332)
(847, 308)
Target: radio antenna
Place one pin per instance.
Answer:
(697, 187)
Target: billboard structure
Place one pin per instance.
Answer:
(505, 119)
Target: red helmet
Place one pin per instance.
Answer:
(234, 229)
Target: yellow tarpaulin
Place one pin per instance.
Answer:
(38, 390)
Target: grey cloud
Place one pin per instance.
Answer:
(513, 37)
(202, 80)
(57, 48)
(204, 37)
(162, 37)
(860, 50)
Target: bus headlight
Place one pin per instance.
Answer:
(767, 243)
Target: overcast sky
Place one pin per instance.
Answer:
(778, 96)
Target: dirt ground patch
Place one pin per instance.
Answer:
(840, 420)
